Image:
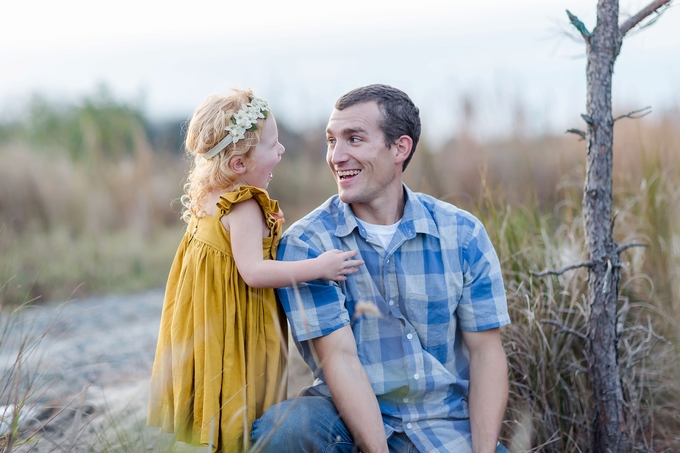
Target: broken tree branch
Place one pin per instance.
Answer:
(580, 26)
(635, 114)
(639, 17)
(624, 247)
(607, 275)
(612, 223)
(563, 270)
(578, 132)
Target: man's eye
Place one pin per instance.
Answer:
(330, 141)
(354, 140)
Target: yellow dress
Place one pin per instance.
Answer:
(221, 355)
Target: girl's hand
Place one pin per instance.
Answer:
(336, 264)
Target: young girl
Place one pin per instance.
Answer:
(221, 351)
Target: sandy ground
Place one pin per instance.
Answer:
(88, 362)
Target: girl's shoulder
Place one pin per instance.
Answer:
(228, 199)
(273, 217)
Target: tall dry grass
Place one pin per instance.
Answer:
(550, 406)
(105, 223)
(22, 383)
(70, 227)
(76, 227)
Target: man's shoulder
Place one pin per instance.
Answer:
(445, 214)
(322, 219)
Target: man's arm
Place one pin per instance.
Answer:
(351, 390)
(488, 393)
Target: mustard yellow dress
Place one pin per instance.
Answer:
(221, 355)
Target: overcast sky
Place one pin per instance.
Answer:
(301, 55)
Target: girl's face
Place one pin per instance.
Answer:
(265, 155)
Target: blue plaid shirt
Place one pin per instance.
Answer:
(439, 275)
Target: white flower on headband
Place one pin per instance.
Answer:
(244, 120)
(259, 106)
(240, 117)
(237, 132)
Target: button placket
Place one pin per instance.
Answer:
(389, 281)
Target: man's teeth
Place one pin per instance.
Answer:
(345, 174)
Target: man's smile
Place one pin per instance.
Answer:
(343, 174)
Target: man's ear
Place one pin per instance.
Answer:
(403, 146)
(237, 164)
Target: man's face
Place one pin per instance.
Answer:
(364, 169)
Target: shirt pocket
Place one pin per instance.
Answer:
(431, 315)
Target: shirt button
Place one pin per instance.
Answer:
(409, 336)
(391, 303)
(416, 376)
(409, 426)
(406, 400)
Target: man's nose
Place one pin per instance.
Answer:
(338, 154)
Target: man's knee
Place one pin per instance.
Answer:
(308, 423)
(274, 424)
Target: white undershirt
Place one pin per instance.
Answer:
(381, 233)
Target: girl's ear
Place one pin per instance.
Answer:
(237, 165)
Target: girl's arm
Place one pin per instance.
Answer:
(244, 226)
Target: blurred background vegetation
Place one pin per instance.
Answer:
(89, 204)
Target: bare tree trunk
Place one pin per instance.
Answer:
(603, 45)
(603, 275)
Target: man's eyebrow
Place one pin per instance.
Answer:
(349, 131)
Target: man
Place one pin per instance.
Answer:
(407, 351)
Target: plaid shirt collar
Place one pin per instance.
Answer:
(416, 218)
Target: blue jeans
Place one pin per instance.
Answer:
(311, 424)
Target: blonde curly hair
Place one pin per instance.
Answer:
(206, 129)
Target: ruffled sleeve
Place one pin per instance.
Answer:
(270, 208)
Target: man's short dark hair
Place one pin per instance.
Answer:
(399, 115)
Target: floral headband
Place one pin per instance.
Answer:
(244, 120)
